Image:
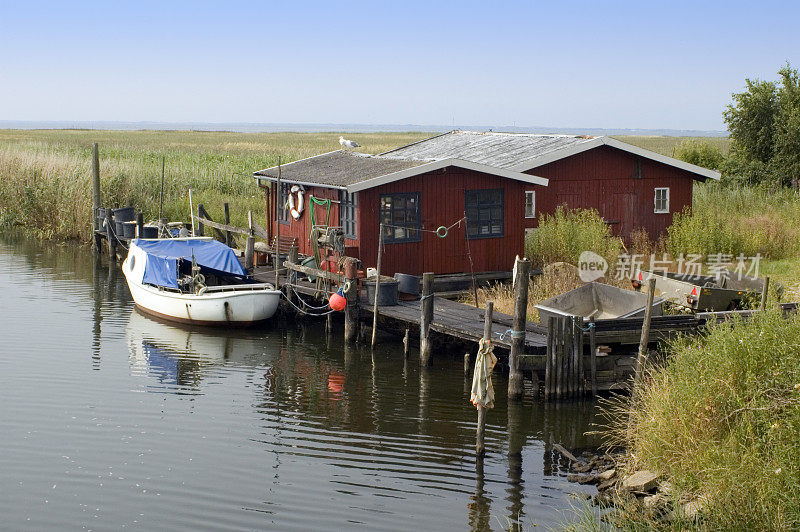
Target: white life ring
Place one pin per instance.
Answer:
(296, 210)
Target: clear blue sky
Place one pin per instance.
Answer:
(560, 64)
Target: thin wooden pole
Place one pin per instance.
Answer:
(645, 339)
(480, 448)
(278, 225)
(139, 225)
(548, 363)
(466, 365)
(95, 186)
(764, 294)
(352, 308)
(515, 384)
(161, 193)
(593, 355)
(377, 284)
(111, 236)
(249, 252)
(426, 317)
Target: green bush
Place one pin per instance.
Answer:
(562, 236)
(722, 419)
(700, 153)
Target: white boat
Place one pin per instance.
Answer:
(195, 280)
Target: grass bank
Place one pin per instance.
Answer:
(46, 173)
(721, 420)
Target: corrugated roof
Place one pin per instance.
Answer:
(339, 168)
(501, 150)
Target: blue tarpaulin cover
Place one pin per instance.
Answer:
(162, 258)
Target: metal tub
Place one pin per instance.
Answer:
(599, 301)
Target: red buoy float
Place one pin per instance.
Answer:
(337, 301)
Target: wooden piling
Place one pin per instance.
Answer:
(201, 229)
(351, 311)
(764, 294)
(645, 339)
(227, 222)
(466, 365)
(578, 355)
(548, 363)
(426, 309)
(406, 342)
(593, 355)
(377, 284)
(515, 384)
(249, 253)
(278, 225)
(95, 186)
(480, 448)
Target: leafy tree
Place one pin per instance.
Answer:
(764, 123)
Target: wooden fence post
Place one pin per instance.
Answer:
(645, 339)
(201, 213)
(764, 294)
(426, 310)
(480, 448)
(351, 311)
(95, 186)
(515, 384)
(593, 355)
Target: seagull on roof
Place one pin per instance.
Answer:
(348, 143)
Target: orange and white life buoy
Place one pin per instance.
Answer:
(296, 207)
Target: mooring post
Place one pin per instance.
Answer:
(291, 275)
(95, 187)
(548, 363)
(764, 294)
(578, 343)
(645, 339)
(377, 284)
(593, 355)
(570, 350)
(278, 226)
(351, 310)
(560, 322)
(466, 365)
(249, 252)
(515, 385)
(227, 222)
(480, 448)
(406, 342)
(139, 225)
(201, 211)
(426, 317)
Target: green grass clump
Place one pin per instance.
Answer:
(564, 235)
(722, 420)
(46, 174)
(741, 220)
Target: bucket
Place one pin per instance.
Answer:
(407, 284)
(387, 295)
(129, 229)
(124, 214)
(149, 231)
(309, 262)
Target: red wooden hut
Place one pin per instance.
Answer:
(499, 182)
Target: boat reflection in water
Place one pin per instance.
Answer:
(180, 356)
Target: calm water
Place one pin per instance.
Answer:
(111, 420)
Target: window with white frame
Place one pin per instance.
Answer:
(530, 204)
(661, 200)
(347, 212)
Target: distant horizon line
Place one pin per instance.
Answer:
(289, 127)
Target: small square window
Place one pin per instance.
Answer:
(401, 217)
(661, 200)
(530, 204)
(484, 210)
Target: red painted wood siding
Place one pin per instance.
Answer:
(441, 204)
(603, 179)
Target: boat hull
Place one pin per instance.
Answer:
(236, 305)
